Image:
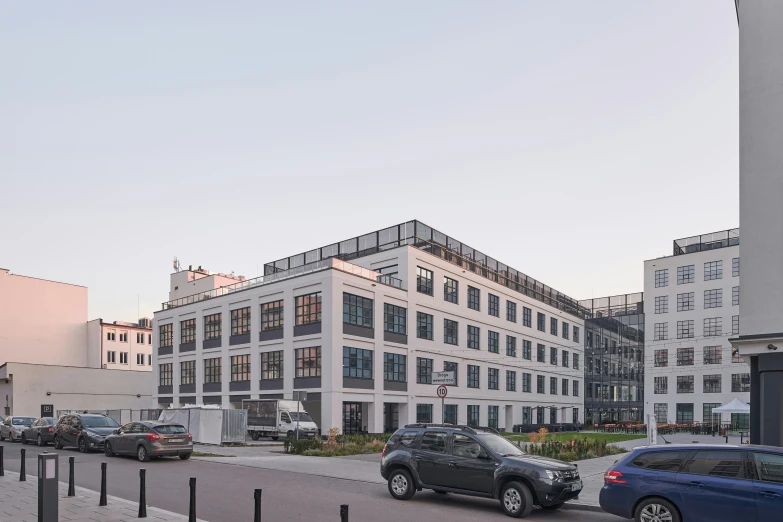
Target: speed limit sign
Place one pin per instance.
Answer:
(442, 392)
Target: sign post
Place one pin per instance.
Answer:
(442, 392)
(652, 430)
(48, 483)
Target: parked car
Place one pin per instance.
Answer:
(85, 431)
(150, 439)
(477, 462)
(12, 427)
(40, 432)
(696, 483)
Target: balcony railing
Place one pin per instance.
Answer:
(723, 239)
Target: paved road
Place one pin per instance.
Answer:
(225, 492)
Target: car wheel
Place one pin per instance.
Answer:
(24, 439)
(107, 449)
(401, 484)
(1, 437)
(254, 435)
(656, 509)
(275, 438)
(82, 444)
(516, 499)
(290, 434)
(553, 507)
(57, 444)
(184, 456)
(39, 440)
(142, 454)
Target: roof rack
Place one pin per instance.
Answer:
(469, 429)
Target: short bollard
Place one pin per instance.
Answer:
(102, 501)
(142, 493)
(71, 485)
(727, 439)
(192, 512)
(22, 474)
(2, 466)
(343, 512)
(48, 485)
(257, 499)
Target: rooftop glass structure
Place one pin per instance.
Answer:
(723, 239)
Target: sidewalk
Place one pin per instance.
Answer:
(19, 502)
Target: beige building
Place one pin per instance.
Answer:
(120, 345)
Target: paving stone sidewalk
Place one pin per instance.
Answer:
(19, 502)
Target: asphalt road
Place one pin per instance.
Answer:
(225, 492)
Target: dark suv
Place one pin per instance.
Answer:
(477, 462)
(86, 431)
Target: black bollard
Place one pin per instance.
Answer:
(343, 512)
(142, 493)
(71, 488)
(102, 501)
(22, 474)
(2, 467)
(727, 439)
(192, 514)
(257, 498)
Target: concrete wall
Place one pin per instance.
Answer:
(189, 282)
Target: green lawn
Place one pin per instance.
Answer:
(566, 436)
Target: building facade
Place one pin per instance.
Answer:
(120, 345)
(691, 309)
(362, 324)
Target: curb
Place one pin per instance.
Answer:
(572, 506)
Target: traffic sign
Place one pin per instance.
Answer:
(444, 378)
(442, 392)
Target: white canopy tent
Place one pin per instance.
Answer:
(735, 406)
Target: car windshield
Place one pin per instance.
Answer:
(499, 445)
(22, 421)
(99, 422)
(302, 416)
(169, 429)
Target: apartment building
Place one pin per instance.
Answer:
(691, 309)
(362, 324)
(120, 345)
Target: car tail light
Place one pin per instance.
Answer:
(190, 437)
(614, 477)
(384, 449)
(152, 437)
(51, 429)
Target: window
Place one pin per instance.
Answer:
(149, 339)
(712, 383)
(685, 384)
(357, 363)
(770, 466)
(527, 415)
(140, 359)
(449, 366)
(526, 349)
(684, 329)
(684, 413)
(735, 296)
(540, 384)
(565, 359)
(394, 367)
(735, 267)
(685, 302)
(450, 290)
(423, 326)
(713, 270)
(240, 368)
(661, 278)
(661, 385)
(474, 334)
(450, 414)
(357, 310)
(187, 372)
(187, 330)
(684, 356)
(511, 311)
(511, 346)
(240, 321)
(716, 463)
(423, 370)
(713, 354)
(111, 356)
(124, 337)
(527, 317)
(272, 365)
(149, 360)
(661, 460)
(541, 320)
(553, 385)
(527, 382)
(740, 382)
(473, 376)
(272, 315)
(661, 357)
(552, 415)
(139, 338)
(685, 274)
(473, 414)
(661, 331)
(308, 308)
(165, 374)
(111, 335)
(493, 342)
(212, 326)
(553, 325)
(492, 417)
(553, 355)
(511, 380)
(474, 298)
(395, 319)
(123, 357)
(576, 334)
(423, 280)
(713, 298)
(493, 378)
(213, 370)
(540, 415)
(431, 441)
(450, 331)
(308, 361)
(565, 329)
(540, 353)
(661, 410)
(713, 327)
(576, 361)
(576, 388)
(662, 304)
(564, 387)
(166, 335)
(493, 307)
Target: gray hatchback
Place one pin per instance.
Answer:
(150, 439)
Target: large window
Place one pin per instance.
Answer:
(493, 303)
(576, 388)
(541, 322)
(474, 380)
(735, 324)
(493, 342)
(527, 382)
(493, 378)
(740, 382)
(450, 366)
(685, 384)
(713, 270)
(240, 321)
(357, 310)
(423, 326)
(576, 361)
(684, 329)
(540, 415)
(474, 337)
(735, 267)
(540, 384)
(660, 331)
(213, 370)
(424, 415)
(474, 298)
(492, 417)
(564, 387)
(564, 359)
(166, 335)
(473, 414)
(212, 326)
(734, 296)
(576, 334)
(308, 308)
(553, 385)
(540, 353)
(527, 349)
(165, 374)
(685, 302)
(272, 365)
(713, 298)
(661, 357)
(240, 368)
(395, 319)
(187, 372)
(357, 363)
(511, 380)
(713, 354)
(272, 315)
(423, 280)
(527, 317)
(511, 311)
(527, 415)
(661, 278)
(565, 330)
(423, 370)
(308, 361)
(684, 356)
(553, 355)
(661, 385)
(450, 290)
(187, 331)
(684, 413)
(712, 383)
(553, 325)
(511, 346)
(661, 410)
(449, 414)
(713, 327)
(662, 304)
(450, 331)
(685, 274)
(394, 367)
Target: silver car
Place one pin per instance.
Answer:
(12, 427)
(150, 439)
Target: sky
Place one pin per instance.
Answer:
(570, 140)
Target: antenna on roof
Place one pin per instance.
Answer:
(177, 266)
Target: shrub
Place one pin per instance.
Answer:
(298, 447)
(579, 448)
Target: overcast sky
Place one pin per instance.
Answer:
(570, 140)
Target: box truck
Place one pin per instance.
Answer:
(278, 418)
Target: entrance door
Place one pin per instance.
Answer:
(352, 417)
(391, 417)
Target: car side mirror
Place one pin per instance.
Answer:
(116, 432)
(483, 455)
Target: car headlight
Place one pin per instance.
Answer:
(554, 475)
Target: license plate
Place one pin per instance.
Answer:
(173, 441)
(576, 487)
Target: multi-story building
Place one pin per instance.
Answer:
(120, 345)
(691, 309)
(614, 359)
(362, 324)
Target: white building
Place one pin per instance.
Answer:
(691, 303)
(120, 345)
(361, 324)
